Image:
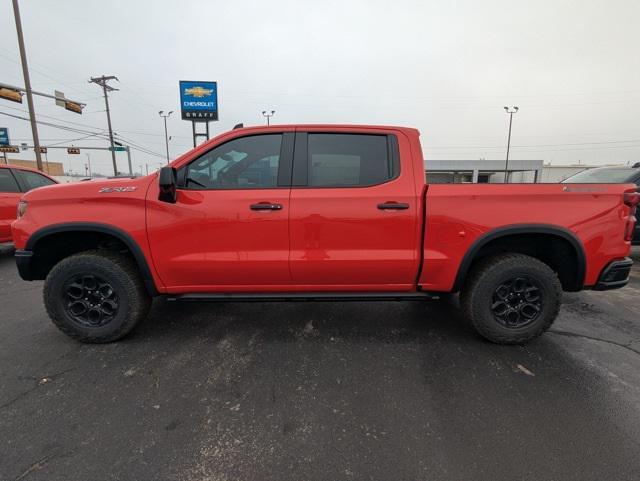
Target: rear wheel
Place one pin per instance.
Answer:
(511, 298)
(95, 296)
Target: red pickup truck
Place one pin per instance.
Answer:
(319, 212)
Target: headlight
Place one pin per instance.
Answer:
(22, 208)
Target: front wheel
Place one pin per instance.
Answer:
(511, 298)
(95, 296)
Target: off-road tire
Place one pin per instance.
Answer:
(121, 274)
(477, 296)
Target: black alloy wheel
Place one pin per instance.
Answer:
(90, 300)
(517, 302)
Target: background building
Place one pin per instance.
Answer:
(482, 171)
(51, 168)
(492, 171)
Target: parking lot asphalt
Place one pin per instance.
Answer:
(320, 391)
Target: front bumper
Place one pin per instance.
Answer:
(23, 262)
(615, 275)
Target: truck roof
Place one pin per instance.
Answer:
(279, 127)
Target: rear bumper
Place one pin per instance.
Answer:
(615, 275)
(23, 262)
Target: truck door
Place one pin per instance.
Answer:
(228, 230)
(353, 211)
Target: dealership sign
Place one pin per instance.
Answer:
(4, 136)
(199, 100)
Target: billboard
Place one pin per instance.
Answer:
(199, 100)
(4, 136)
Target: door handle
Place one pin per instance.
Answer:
(393, 206)
(265, 206)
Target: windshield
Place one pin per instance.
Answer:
(602, 176)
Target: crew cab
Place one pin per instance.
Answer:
(14, 181)
(334, 212)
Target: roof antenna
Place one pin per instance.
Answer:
(238, 126)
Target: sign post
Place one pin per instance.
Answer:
(4, 141)
(199, 103)
(4, 136)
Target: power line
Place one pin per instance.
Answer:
(133, 144)
(64, 141)
(57, 126)
(56, 118)
(55, 79)
(138, 132)
(138, 147)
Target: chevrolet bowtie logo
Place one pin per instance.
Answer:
(198, 91)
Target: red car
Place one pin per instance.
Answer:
(319, 212)
(15, 181)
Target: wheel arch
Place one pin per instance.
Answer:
(123, 237)
(521, 231)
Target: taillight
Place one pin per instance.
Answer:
(22, 208)
(632, 199)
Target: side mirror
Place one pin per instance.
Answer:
(168, 180)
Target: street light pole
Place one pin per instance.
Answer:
(268, 114)
(510, 111)
(27, 85)
(166, 135)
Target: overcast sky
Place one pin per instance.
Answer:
(445, 67)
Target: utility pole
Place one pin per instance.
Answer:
(102, 81)
(89, 164)
(268, 114)
(510, 111)
(27, 85)
(129, 160)
(166, 135)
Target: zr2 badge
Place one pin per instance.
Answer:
(108, 190)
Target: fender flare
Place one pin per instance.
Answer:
(494, 234)
(132, 245)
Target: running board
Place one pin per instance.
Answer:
(306, 296)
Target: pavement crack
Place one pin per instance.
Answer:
(35, 466)
(38, 383)
(593, 338)
(18, 397)
(60, 373)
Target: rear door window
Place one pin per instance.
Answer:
(349, 160)
(8, 182)
(32, 180)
